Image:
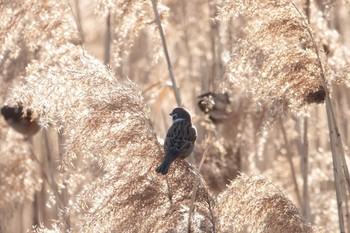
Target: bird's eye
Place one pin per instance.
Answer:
(174, 116)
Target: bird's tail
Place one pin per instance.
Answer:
(164, 167)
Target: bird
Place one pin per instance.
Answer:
(215, 105)
(180, 139)
(22, 121)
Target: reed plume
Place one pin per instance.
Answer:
(255, 204)
(276, 61)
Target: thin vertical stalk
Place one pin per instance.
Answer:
(167, 57)
(35, 203)
(307, 10)
(49, 171)
(291, 164)
(305, 172)
(78, 20)
(337, 175)
(216, 47)
(212, 35)
(305, 147)
(347, 215)
(186, 37)
(65, 192)
(107, 41)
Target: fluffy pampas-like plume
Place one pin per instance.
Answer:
(257, 204)
(276, 61)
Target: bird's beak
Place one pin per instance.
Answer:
(170, 114)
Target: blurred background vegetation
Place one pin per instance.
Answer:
(247, 71)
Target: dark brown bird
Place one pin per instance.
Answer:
(214, 105)
(180, 139)
(22, 122)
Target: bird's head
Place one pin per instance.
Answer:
(12, 113)
(180, 113)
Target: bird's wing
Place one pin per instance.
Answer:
(180, 138)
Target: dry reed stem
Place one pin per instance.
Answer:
(186, 36)
(304, 162)
(167, 57)
(78, 20)
(347, 213)
(107, 40)
(291, 164)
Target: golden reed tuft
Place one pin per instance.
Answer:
(276, 60)
(255, 204)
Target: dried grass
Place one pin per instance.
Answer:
(257, 204)
(276, 61)
(101, 177)
(105, 121)
(19, 176)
